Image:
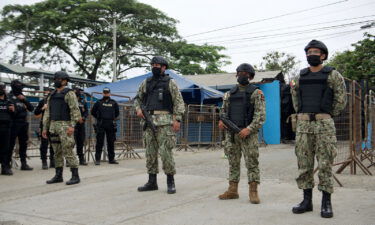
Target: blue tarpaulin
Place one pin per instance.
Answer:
(191, 92)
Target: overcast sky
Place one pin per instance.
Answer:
(337, 25)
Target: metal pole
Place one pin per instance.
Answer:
(114, 79)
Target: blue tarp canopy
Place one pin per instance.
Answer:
(191, 92)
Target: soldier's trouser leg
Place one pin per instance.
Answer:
(99, 143)
(326, 151)
(249, 147)
(12, 141)
(233, 152)
(111, 138)
(4, 147)
(305, 151)
(167, 141)
(151, 152)
(23, 137)
(43, 148)
(64, 148)
(56, 145)
(79, 136)
(51, 152)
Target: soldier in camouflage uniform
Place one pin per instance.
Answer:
(162, 99)
(245, 106)
(60, 117)
(318, 93)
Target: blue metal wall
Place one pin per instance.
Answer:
(271, 128)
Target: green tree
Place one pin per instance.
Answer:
(280, 61)
(72, 32)
(359, 63)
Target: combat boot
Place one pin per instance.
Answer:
(326, 210)
(253, 193)
(170, 184)
(151, 184)
(44, 164)
(24, 165)
(6, 170)
(51, 163)
(231, 193)
(306, 205)
(82, 160)
(58, 178)
(75, 177)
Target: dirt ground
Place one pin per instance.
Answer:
(108, 194)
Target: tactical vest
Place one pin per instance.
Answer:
(240, 110)
(106, 110)
(158, 95)
(59, 109)
(4, 111)
(19, 106)
(315, 96)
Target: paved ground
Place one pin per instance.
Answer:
(107, 195)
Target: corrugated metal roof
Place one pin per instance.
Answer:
(21, 70)
(227, 79)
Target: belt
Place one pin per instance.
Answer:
(313, 117)
(159, 112)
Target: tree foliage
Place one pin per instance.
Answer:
(359, 63)
(279, 61)
(74, 33)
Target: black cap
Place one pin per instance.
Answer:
(317, 44)
(106, 90)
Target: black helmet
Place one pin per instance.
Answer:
(16, 86)
(159, 60)
(246, 67)
(317, 44)
(61, 75)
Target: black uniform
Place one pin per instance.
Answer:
(20, 127)
(105, 112)
(79, 129)
(43, 142)
(5, 128)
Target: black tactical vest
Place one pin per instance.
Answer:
(4, 111)
(314, 94)
(106, 110)
(20, 108)
(59, 109)
(158, 95)
(240, 110)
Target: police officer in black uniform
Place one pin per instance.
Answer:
(6, 113)
(105, 111)
(79, 129)
(44, 142)
(20, 126)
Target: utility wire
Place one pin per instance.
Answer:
(283, 28)
(265, 19)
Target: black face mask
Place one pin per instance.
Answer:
(105, 97)
(314, 60)
(243, 80)
(2, 92)
(57, 84)
(156, 72)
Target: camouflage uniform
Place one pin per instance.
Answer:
(248, 146)
(318, 138)
(60, 141)
(166, 137)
